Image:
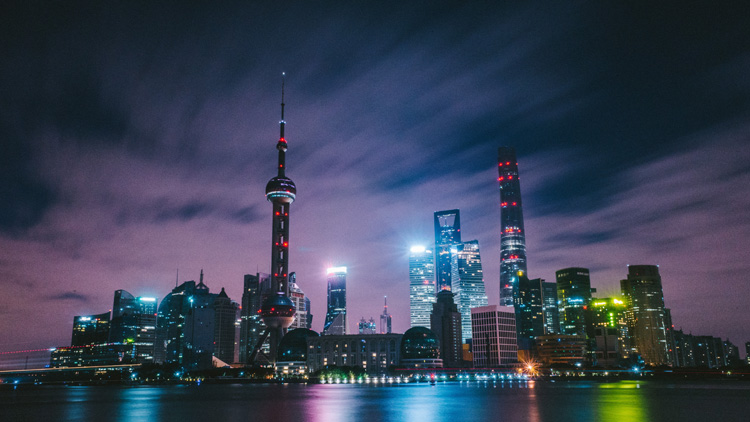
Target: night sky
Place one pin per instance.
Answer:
(137, 139)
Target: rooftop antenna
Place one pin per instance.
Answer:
(177, 278)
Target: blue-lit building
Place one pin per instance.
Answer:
(447, 239)
(469, 287)
(335, 323)
(513, 236)
(134, 323)
(421, 285)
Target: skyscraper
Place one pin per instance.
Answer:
(445, 322)
(336, 316)
(385, 318)
(529, 310)
(301, 303)
(642, 291)
(421, 285)
(225, 315)
(469, 286)
(90, 329)
(367, 327)
(513, 237)
(447, 238)
(134, 323)
(607, 330)
(573, 296)
(278, 310)
(551, 311)
(256, 289)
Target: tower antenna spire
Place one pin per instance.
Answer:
(282, 123)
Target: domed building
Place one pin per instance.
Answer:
(420, 348)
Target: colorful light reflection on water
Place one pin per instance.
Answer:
(578, 401)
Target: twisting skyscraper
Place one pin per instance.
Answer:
(278, 310)
(513, 237)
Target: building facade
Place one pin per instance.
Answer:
(447, 238)
(648, 326)
(607, 331)
(421, 285)
(335, 323)
(374, 353)
(494, 340)
(513, 236)
(469, 287)
(529, 310)
(445, 322)
(90, 329)
(550, 307)
(256, 288)
(573, 296)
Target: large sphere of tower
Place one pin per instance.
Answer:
(278, 311)
(281, 189)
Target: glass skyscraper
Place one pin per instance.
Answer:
(648, 318)
(336, 316)
(573, 296)
(469, 287)
(421, 285)
(551, 311)
(513, 237)
(447, 238)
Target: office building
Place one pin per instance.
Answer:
(607, 331)
(494, 341)
(529, 310)
(561, 349)
(469, 287)
(134, 323)
(573, 296)
(642, 292)
(90, 329)
(550, 308)
(225, 316)
(513, 236)
(335, 323)
(303, 316)
(257, 288)
(447, 239)
(421, 285)
(445, 322)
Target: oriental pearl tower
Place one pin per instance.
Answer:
(278, 310)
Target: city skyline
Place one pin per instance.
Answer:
(147, 149)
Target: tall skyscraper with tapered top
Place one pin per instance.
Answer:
(278, 310)
(447, 239)
(513, 236)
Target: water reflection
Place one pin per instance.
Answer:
(623, 401)
(139, 404)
